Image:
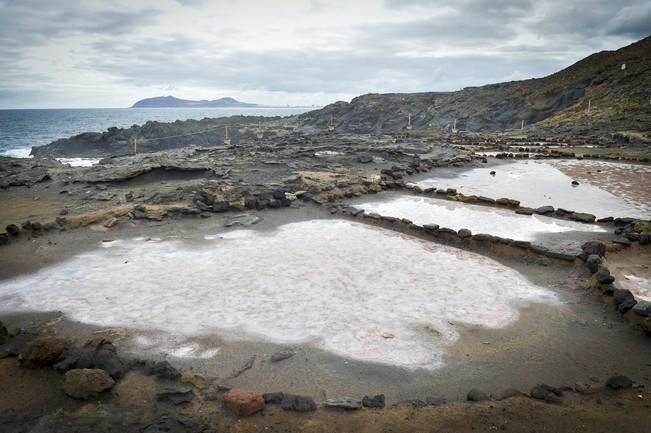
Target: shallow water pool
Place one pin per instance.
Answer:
(534, 184)
(478, 219)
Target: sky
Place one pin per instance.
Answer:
(111, 53)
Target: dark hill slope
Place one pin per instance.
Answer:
(620, 100)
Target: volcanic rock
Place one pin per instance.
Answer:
(477, 395)
(243, 403)
(42, 351)
(544, 210)
(642, 308)
(297, 403)
(347, 403)
(619, 382)
(86, 383)
(376, 402)
(13, 229)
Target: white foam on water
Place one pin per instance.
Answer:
(478, 219)
(79, 162)
(536, 183)
(21, 152)
(336, 284)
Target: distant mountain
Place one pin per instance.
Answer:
(172, 102)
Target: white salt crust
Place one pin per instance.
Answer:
(340, 285)
(535, 184)
(478, 219)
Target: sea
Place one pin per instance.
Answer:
(22, 129)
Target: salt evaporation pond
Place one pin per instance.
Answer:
(361, 292)
(534, 184)
(478, 219)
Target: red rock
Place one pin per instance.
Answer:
(243, 403)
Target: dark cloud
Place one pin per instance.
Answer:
(33, 22)
(434, 45)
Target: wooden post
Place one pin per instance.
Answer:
(589, 105)
(522, 125)
(135, 145)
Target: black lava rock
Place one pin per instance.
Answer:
(376, 402)
(13, 229)
(477, 395)
(297, 403)
(619, 382)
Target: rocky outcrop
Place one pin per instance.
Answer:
(556, 102)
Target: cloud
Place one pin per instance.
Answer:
(125, 47)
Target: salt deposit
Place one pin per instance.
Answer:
(534, 184)
(359, 291)
(479, 219)
(79, 162)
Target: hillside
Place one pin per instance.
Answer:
(172, 102)
(619, 100)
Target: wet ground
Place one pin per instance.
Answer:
(450, 321)
(541, 183)
(632, 270)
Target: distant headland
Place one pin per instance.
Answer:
(171, 101)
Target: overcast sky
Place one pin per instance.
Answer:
(110, 53)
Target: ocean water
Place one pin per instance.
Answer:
(22, 129)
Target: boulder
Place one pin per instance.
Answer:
(624, 300)
(243, 402)
(365, 158)
(507, 202)
(604, 277)
(464, 233)
(477, 395)
(619, 382)
(86, 383)
(347, 403)
(548, 393)
(42, 351)
(104, 356)
(13, 229)
(544, 210)
(524, 211)
(375, 402)
(593, 261)
(583, 217)
(594, 247)
(297, 403)
(642, 308)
